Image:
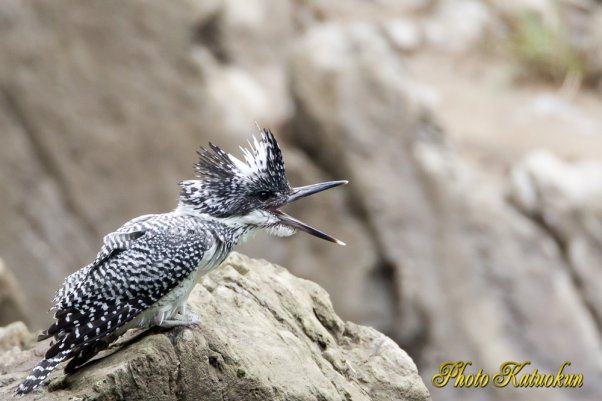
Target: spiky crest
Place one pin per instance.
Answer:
(228, 185)
(262, 159)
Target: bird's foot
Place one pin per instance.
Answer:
(186, 318)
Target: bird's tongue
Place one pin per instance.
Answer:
(299, 225)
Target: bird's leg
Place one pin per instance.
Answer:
(188, 318)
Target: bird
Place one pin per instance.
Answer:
(146, 269)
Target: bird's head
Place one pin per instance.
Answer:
(249, 193)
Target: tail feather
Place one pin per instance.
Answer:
(85, 354)
(41, 372)
(83, 342)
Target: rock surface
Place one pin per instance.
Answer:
(11, 298)
(566, 200)
(449, 243)
(102, 104)
(263, 334)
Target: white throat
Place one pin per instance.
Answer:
(243, 227)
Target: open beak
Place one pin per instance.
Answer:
(302, 192)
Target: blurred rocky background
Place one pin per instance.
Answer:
(470, 131)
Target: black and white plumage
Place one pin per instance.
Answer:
(146, 269)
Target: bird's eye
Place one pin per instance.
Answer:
(264, 195)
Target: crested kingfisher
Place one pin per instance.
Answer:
(146, 269)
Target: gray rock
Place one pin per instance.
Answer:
(471, 277)
(263, 334)
(102, 104)
(458, 26)
(351, 68)
(11, 298)
(565, 199)
(404, 34)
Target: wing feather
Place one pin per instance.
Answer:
(137, 269)
(113, 242)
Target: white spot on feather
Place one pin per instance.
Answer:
(255, 157)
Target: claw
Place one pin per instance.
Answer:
(186, 318)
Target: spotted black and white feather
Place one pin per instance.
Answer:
(126, 286)
(229, 186)
(146, 269)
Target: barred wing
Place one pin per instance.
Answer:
(117, 241)
(126, 282)
(136, 267)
